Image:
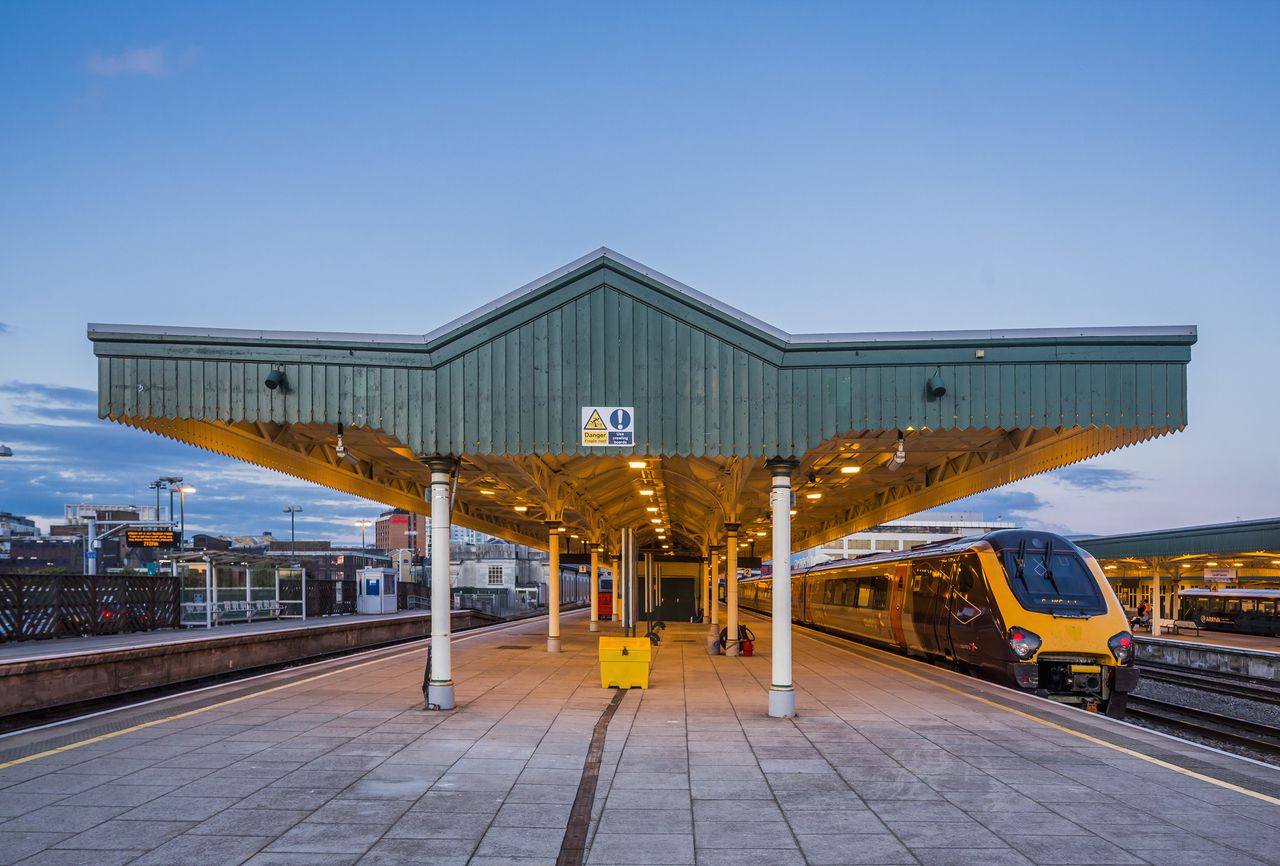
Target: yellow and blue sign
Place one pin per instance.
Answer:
(609, 426)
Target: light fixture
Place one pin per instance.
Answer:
(651, 508)
(573, 536)
(793, 512)
(1212, 564)
(521, 508)
(1275, 562)
(655, 519)
(851, 469)
(1237, 564)
(637, 464)
(899, 456)
(935, 387)
(646, 491)
(761, 534)
(1110, 567)
(275, 379)
(561, 529)
(486, 492)
(814, 495)
(665, 546)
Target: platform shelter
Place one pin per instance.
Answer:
(608, 401)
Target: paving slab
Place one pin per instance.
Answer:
(889, 762)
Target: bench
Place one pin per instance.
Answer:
(1177, 625)
(232, 611)
(193, 613)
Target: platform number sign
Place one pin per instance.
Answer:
(609, 426)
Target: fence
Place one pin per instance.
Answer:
(38, 606)
(324, 597)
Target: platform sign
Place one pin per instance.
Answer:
(151, 538)
(609, 426)
(1220, 575)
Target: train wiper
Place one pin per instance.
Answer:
(1048, 567)
(1018, 560)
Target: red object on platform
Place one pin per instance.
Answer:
(747, 646)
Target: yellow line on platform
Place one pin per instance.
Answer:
(144, 725)
(1230, 786)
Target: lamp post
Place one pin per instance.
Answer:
(173, 481)
(157, 486)
(363, 524)
(292, 511)
(183, 490)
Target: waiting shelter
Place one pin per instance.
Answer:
(608, 401)
(1155, 566)
(217, 588)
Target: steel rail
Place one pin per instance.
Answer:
(1256, 735)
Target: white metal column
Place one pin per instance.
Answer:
(553, 586)
(595, 589)
(731, 643)
(782, 694)
(706, 588)
(440, 684)
(1155, 596)
(715, 592)
(617, 582)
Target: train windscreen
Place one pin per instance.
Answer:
(1045, 580)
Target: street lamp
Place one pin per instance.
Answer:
(183, 490)
(157, 486)
(363, 524)
(292, 511)
(173, 481)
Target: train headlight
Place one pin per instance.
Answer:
(1122, 647)
(1023, 643)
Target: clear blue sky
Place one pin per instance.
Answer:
(824, 167)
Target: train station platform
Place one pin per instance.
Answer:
(40, 674)
(889, 762)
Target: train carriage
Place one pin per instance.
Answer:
(1026, 608)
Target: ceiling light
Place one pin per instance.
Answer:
(1211, 564)
(793, 512)
(651, 508)
(762, 534)
(573, 536)
(522, 508)
(655, 519)
(665, 546)
(813, 496)
(1237, 564)
(1110, 566)
(637, 464)
(561, 529)
(646, 491)
(851, 469)
(1275, 562)
(486, 492)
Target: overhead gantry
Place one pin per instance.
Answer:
(735, 426)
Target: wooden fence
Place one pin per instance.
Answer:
(38, 606)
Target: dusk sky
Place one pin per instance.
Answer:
(846, 167)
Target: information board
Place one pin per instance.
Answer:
(151, 538)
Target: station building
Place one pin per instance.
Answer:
(608, 401)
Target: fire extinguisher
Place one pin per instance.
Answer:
(747, 640)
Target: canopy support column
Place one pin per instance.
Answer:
(553, 586)
(706, 588)
(782, 694)
(595, 588)
(1156, 562)
(617, 582)
(440, 682)
(731, 642)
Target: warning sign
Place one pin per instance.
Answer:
(609, 426)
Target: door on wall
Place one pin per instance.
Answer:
(679, 602)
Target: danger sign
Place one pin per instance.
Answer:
(609, 426)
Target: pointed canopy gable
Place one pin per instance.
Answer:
(505, 385)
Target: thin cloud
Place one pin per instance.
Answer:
(4, 329)
(153, 62)
(1098, 478)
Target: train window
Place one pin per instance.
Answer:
(880, 593)
(864, 592)
(1052, 581)
(966, 574)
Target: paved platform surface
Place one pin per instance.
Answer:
(1222, 638)
(68, 646)
(891, 762)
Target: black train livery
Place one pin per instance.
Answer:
(1028, 609)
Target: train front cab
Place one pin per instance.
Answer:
(1065, 630)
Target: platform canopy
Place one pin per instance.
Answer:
(711, 393)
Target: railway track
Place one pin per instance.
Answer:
(1205, 724)
(1233, 685)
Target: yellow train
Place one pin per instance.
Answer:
(1028, 609)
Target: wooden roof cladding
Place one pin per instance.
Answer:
(503, 388)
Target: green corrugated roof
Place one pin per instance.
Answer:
(1217, 538)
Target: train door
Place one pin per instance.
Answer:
(901, 580)
(929, 607)
(973, 623)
